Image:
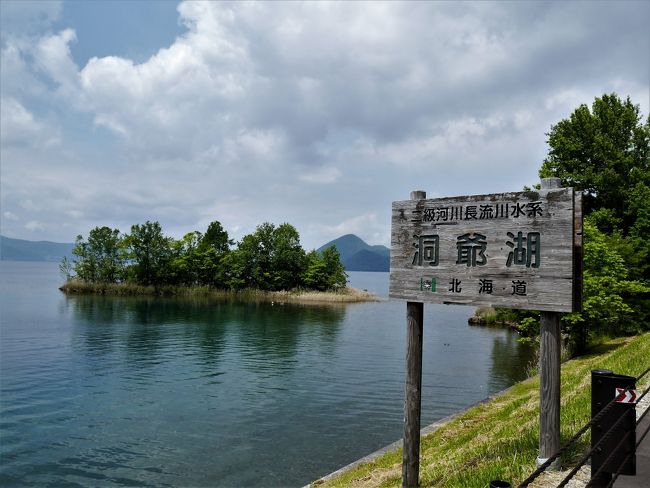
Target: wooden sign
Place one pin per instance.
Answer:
(513, 250)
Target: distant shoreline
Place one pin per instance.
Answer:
(346, 295)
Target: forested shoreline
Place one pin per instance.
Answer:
(145, 261)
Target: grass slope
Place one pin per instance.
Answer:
(498, 439)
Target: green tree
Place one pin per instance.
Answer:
(85, 262)
(248, 265)
(325, 271)
(101, 258)
(316, 276)
(269, 259)
(185, 262)
(215, 238)
(607, 289)
(336, 277)
(150, 253)
(66, 268)
(603, 152)
(236, 269)
(213, 247)
(288, 258)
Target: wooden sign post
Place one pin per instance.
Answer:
(513, 250)
(413, 390)
(549, 376)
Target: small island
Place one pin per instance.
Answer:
(267, 265)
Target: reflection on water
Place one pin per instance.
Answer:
(163, 392)
(145, 326)
(509, 360)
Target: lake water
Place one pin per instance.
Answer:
(102, 391)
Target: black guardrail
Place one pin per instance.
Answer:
(613, 431)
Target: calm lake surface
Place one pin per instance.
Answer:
(102, 391)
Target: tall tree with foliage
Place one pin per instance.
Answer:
(249, 265)
(605, 153)
(269, 259)
(100, 259)
(325, 271)
(213, 247)
(288, 258)
(150, 252)
(186, 260)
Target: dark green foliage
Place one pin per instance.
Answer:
(101, 258)
(336, 277)
(316, 274)
(186, 262)
(605, 152)
(215, 238)
(288, 258)
(150, 252)
(324, 270)
(607, 308)
(270, 259)
(213, 247)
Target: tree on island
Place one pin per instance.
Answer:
(272, 259)
(325, 271)
(101, 258)
(149, 251)
(269, 259)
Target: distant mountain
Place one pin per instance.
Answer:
(356, 255)
(22, 250)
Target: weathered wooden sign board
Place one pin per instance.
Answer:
(513, 250)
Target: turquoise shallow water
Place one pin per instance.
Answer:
(99, 391)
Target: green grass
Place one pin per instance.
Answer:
(346, 295)
(498, 439)
(488, 314)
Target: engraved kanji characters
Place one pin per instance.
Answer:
(525, 250)
(427, 250)
(471, 249)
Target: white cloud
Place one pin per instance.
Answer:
(364, 226)
(568, 99)
(18, 126)
(277, 110)
(52, 55)
(324, 175)
(523, 119)
(34, 225)
(10, 216)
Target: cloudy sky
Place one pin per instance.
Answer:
(317, 114)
